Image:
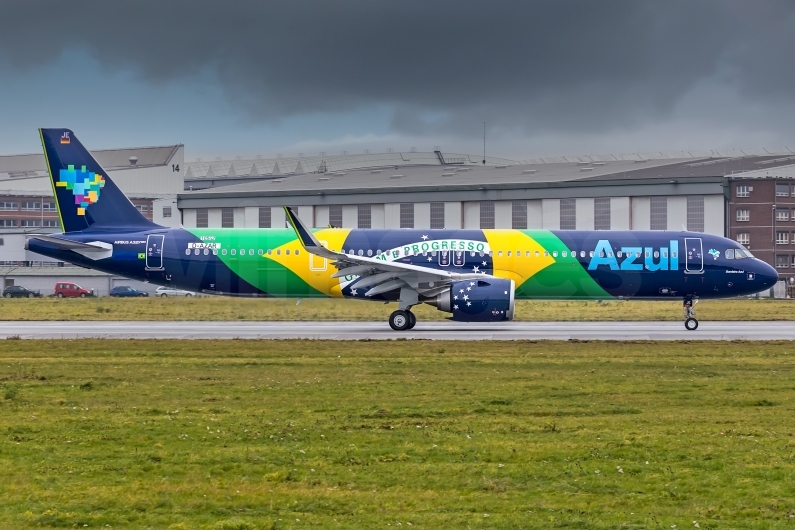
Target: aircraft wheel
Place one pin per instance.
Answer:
(412, 320)
(691, 324)
(399, 320)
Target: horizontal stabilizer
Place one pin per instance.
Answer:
(94, 250)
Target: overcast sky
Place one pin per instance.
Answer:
(547, 77)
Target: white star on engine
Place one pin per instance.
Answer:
(484, 263)
(455, 307)
(424, 238)
(462, 290)
(455, 297)
(353, 292)
(476, 269)
(469, 288)
(466, 297)
(469, 303)
(472, 284)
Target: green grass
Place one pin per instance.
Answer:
(228, 309)
(293, 434)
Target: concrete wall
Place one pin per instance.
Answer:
(619, 213)
(550, 213)
(453, 215)
(585, 211)
(188, 218)
(157, 212)
(377, 216)
(214, 218)
(350, 216)
(392, 215)
(321, 216)
(240, 218)
(714, 222)
(422, 215)
(307, 215)
(472, 215)
(535, 214)
(278, 220)
(641, 213)
(677, 213)
(251, 217)
(503, 214)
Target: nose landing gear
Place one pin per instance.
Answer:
(691, 324)
(401, 320)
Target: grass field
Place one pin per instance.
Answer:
(219, 308)
(295, 434)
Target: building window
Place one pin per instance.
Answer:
(365, 216)
(227, 217)
(265, 217)
(695, 213)
(744, 238)
(658, 212)
(9, 223)
(743, 215)
(2, 242)
(335, 216)
(143, 208)
(30, 206)
(601, 213)
(9, 206)
(743, 191)
(437, 215)
(28, 223)
(519, 215)
(782, 262)
(568, 214)
(51, 223)
(782, 214)
(782, 190)
(166, 211)
(201, 218)
(782, 238)
(48, 206)
(407, 215)
(487, 214)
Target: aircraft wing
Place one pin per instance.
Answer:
(94, 250)
(379, 275)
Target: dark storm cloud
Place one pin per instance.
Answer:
(444, 65)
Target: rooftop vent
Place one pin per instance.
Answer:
(448, 174)
(530, 171)
(133, 160)
(500, 167)
(323, 178)
(377, 171)
(396, 176)
(586, 169)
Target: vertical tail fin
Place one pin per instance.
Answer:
(84, 194)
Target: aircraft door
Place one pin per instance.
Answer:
(154, 252)
(459, 256)
(694, 263)
(316, 263)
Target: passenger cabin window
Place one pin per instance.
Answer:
(234, 252)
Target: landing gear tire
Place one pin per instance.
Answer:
(412, 320)
(691, 324)
(400, 320)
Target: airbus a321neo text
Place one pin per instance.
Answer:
(474, 275)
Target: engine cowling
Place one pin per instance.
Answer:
(478, 300)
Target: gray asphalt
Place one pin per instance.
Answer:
(381, 330)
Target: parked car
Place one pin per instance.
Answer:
(126, 290)
(17, 291)
(67, 290)
(172, 291)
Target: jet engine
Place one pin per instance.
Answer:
(478, 300)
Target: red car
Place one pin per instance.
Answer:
(65, 289)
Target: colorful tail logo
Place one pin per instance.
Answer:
(85, 185)
(65, 138)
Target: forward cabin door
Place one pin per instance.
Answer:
(694, 263)
(154, 252)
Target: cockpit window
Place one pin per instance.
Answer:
(739, 254)
(730, 253)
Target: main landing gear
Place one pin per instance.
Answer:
(691, 324)
(402, 320)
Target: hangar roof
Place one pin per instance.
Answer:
(592, 172)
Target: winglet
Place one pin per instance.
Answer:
(305, 236)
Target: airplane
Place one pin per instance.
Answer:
(473, 275)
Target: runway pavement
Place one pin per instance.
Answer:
(381, 330)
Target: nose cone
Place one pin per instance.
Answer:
(766, 276)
